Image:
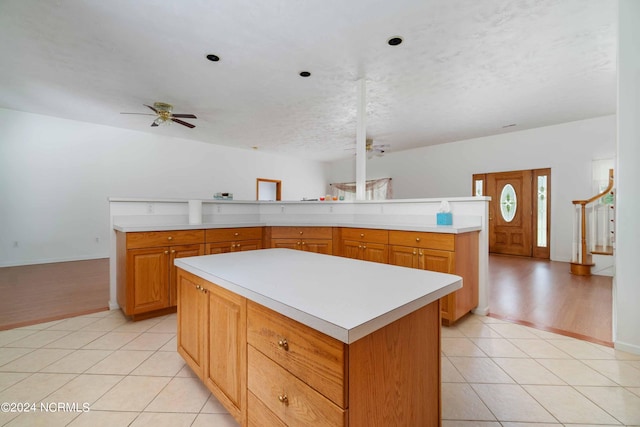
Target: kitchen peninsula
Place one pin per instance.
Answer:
(149, 234)
(286, 337)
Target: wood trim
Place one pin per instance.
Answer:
(541, 252)
(278, 187)
(477, 176)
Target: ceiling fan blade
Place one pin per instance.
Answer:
(184, 116)
(141, 114)
(154, 124)
(189, 125)
(152, 108)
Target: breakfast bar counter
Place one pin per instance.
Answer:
(284, 337)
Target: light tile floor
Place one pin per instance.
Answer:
(126, 373)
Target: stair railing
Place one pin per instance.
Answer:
(600, 215)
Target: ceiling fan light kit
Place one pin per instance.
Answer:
(165, 114)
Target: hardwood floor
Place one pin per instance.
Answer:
(44, 292)
(545, 295)
(537, 293)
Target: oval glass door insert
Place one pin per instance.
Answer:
(508, 202)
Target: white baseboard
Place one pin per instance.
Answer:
(629, 348)
(481, 311)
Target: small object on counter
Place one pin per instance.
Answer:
(335, 197)
(223, 196)
(341, 197)
(322, 198)
(443, 216)
(328, 197)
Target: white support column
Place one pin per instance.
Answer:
(361, 141)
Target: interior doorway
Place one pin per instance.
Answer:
(519, 211)
(268, 189)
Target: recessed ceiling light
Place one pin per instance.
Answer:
(394, 41)
(212, 57)
(304, 74)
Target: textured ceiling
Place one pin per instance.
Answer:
(466, 68)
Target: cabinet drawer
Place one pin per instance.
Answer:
(297, 232)
(312, 356)
(366, 235)
(258, 415)
(442, 241)
(233, 234)
(149, 239)
(289, 398)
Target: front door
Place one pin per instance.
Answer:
(518, 211)
(510, 212)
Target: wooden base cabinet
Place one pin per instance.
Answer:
(145, 274)
(212, 339)
(311, 239)
(271, 371)
(222, 240)
(445, 253)
(365, 244)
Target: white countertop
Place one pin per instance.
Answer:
(344, 298)
(131, 227)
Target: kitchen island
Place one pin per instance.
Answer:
(284, 337)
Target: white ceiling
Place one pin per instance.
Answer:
(466, 68)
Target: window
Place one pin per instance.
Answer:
(376, 189)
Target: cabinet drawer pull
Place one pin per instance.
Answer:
(417, 239)
(236, 234)
(166, 252)
(361, 234)
(173, 251)
(238, 245)
(364, 247)
(283, 399)
(303, 243)
(414, 252)
(284, 344)
(299, 242)
(233, 246)
(170, 238)
(301, 233)
(359, 246)
(421, 254)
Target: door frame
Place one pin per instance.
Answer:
(277, 182)
(479, 188)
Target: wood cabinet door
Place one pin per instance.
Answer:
(286, 243)
(192, 321)
(148, 279)
(375, 252)
(351, 249)
(227, 348)
(319, 246)
(218, 248)
(404, 256)
(433, 260)
(179, 252)
(248, 245)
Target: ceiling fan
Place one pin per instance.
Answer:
(374, 149)
(164, 113)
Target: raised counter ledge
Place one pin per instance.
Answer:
(344, 298)
(135, 227)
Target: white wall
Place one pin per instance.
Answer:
(56, 176)
(626, 333)
(445, 170)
